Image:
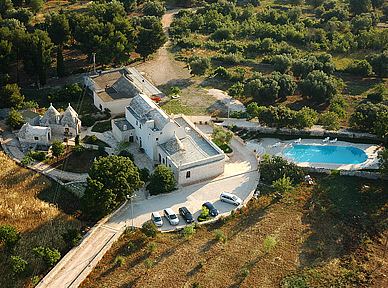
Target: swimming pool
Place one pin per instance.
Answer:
(326, 154)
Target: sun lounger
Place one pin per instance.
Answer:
(326, 139)
(276, 144)
(298, 140)
(333, 141)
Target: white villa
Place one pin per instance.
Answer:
(66, 125)
(114, 89)
(173, 141)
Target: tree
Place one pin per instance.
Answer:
(57, 148)
(49, 256)
(381, 126)
(150, 39)
(220, 136)
(5, 7)
(36, 5)
(154, 8)
(18, 37)
(360, 6)
(306, 118)
(9, 236)
(18, 266)
(330, 120)
(161, 181)
(6, 56)
(15, 119)
(199, 66)
(272, 169)
(11, 97)
(358, 67)
(23, 15)
(318, 86)
(366, 114)
(36, 54)
(282, 63)
(110, 180)
(379, 63)
(377, 3)
(252, 110)
(59, 31)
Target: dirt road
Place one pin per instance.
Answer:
(163, 69)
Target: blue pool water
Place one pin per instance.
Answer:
(326, 154)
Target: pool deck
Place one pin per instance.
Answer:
(275, 147)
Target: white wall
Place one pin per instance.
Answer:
(122, 135)
(115, 106)
(202, 172)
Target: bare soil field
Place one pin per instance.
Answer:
(329, 235)
(27, 202)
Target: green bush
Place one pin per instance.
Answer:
(144, 174)
(244, 272)
(282, 185)
(91, 139)
(152, 247)
(18, 267)
(119, 260)
(102, 127)
(219, 235)
(149, 229)
(269, 243)
(49, 256)
(39, 156)
(71, 237)
(69, 168)
(148, 263)
(9, 236)
(272, 169)
(189, 231)
(204, 215)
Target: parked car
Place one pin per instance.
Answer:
(171, 217)
(156, 219)
(186, 214)
(212, 210)
(230, 198)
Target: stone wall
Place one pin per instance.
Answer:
(317, 170)
(362, 174)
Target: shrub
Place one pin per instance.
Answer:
(27, 160)
(218, 234)
(175, 90)
(78, 150)
(131, 246)
(336, 108)
(88, 120)
(9, 236)
(39, 156)
(282, 185)
(236, 90)
(71, 237)
(189, 231)
(119, 260)
(91, 139)
(244, 272)
(204, 215)
(161, 181)
(149, 229)
(330, 120)
(269, 243)
(49, 256)
(272, 169)
(101, 150)
(15, 119)
(18, 266)
(69, 168)
(152, 247)
(148, 263)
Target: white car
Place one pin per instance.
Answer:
(156, 219)
(171, 217)
(230, 198)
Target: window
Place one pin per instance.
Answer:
(163, 160)
(157, 139)
(36, 138)
(169, 165)
(137, 123)
(188, 174)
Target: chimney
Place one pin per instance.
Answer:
(124, 127)
(142, 85)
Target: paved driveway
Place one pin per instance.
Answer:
(239, 178)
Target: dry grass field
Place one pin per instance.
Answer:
(329, 235)
(21, 191)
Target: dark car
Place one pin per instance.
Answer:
(212, 210)
(186, 214)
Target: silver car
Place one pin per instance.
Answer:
(156, 219)
(171, 217)
(230, 198)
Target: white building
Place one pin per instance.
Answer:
(114, 89)
(34, 134)
(171, 141)
(52, 125)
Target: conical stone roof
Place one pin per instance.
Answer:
(51, 116)
(174, 144)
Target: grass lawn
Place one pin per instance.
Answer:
(102, 127)
(306, 239)
(25, 198)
